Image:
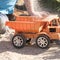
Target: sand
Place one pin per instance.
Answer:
(9, 52)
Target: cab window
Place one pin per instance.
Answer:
(54, 23)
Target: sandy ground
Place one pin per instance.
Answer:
(8, 52)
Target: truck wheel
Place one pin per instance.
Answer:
(43, 41)
(18, 41)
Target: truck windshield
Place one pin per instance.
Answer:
(54, 23)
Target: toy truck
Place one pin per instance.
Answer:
(43, 30)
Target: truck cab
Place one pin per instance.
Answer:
(54, 27)
(50, 32)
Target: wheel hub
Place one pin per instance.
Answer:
(18, 41)
(42, 42)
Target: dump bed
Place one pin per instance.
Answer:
(26, 24)
(27, 18)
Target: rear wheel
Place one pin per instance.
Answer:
(43, 41)
(18, 41)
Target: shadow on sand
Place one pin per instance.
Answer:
(27, 50)
(52, 53)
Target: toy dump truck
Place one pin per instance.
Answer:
(43, 30)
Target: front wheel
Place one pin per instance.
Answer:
(43, 41)
(18, 41)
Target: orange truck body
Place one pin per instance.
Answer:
(34, 26)
(26, 24)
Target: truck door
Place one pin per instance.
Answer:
(54, 26)
(54, 29)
